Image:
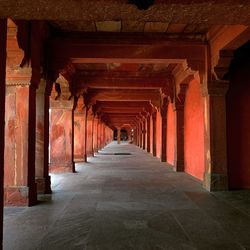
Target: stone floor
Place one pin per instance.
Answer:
(129, 202)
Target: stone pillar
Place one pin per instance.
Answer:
(164, 108)
(20, 132)
(104, 135)
(20, 125)
(90, 120)
(79, 129)
(99, 135)
(61, 130)
(85, 115)
(148, 134)
(154, 133)
(3, 29)
(144, 133)
(42, 175)
(47, 94)
(118, 135)
(140, 134)
(216, 175)
(179, 128)
(95, 133)
(179, 138)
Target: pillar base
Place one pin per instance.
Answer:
(79, 159)
(62, 167)
(20, 196)
(163, 158)
(43, 185)
(215, 182)
(179, 166)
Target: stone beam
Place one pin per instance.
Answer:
(120, 80)
(142, 50)
(121, 110)
(125, 95)
(121, 83)
(123, 104)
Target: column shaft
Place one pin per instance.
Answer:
(154, 133)
(3, 28)
(118, 136)
(61, 136)
(148, 134)
(216, 176)
(179, 139)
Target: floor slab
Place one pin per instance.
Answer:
(129, 201)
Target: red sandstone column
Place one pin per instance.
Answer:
(179, 129)
(118, 135)
(51, 78)
(99, 134)
(144, 133)
(79, 129)
(61, 130)
(164, 108)
(148, 133)
(42, 175)
(154, 133)
(216, 176)
(20, 129)
(179, 138)
(135, 136)
(103, 135)
(95, 134)
(90, 119)
(85, 115)
(3, 29)
(139, 134)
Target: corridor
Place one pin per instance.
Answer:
(123, 198)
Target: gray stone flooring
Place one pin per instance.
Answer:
(129, 202)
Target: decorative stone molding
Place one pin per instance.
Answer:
(18, 83)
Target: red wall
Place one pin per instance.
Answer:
(158, 134)
(170, 134)
(238, 128)
(194, 131)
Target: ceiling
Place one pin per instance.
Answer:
(116, 52)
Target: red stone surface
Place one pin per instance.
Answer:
(158, 134)
(194, 131)
(16, 196)
(79, 143)
(16, 134)
(170, 134)
(3, 28)
(151, 135)
(61, 140)
(90, 151)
